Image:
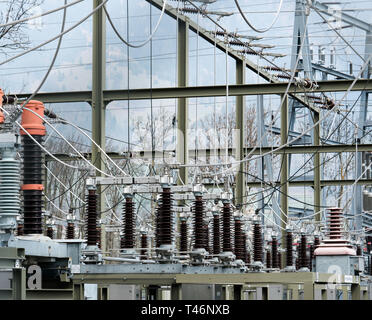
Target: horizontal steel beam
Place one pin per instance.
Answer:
(200, 91)
(308, 149)
(332, 72)
(308, 183)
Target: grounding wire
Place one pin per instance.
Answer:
(95, 143)
(143, 43)
(56, 37)
(61, 135)
(296, 138)
(255, 29)
(64, 186)
(52, 63)
(40, 15)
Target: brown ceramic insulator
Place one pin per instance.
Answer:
(127, 240)
(359, 250)
(257, 243)
(50, 232)
(289, 249)
(274, 250)
(20, 229)
(335, 223)
(272, 68)
(164, 219)
(199, 232)
(283, 76)
(206, 237)
(183, 235)
(280, 260)
(303, 263)
(99, 237)
(189, 10)
(91, 218)
(268, 259)
(238, 43)
(250, 52)
(239, 240)
(216, 234)
(143, 246)
(33, 177)
(226, 228)
(311, 257)
(70, 232)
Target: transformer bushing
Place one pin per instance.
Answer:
(268, 259)
(70, 231)
(127, 240)
(10, 180)
(303, 261)
(227, 256)
(33, 159)
(91, 217)
(257, 242)
(274, 253)
(335, 244)
(183, 235)
(238, 239)
(289, 251)
(199, 232)
(216, 233)
(92, 253)
(164, 220)
(144, 245)
(226, 227)
(164, 224)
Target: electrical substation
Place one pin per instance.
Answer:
(275, 208)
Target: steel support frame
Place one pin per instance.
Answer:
(240, 192)
(284, 185)
(363, 109)
(98, 104)
(199, 91)
(182, 107)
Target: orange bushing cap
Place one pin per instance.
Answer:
(31, 122)
(32, 187)
(1, 104)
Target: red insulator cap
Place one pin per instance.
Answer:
(31, 122)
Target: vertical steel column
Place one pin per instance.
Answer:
(240, 125)
(284, 171)
(182, 109)
(317, 169)
(98, 105)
